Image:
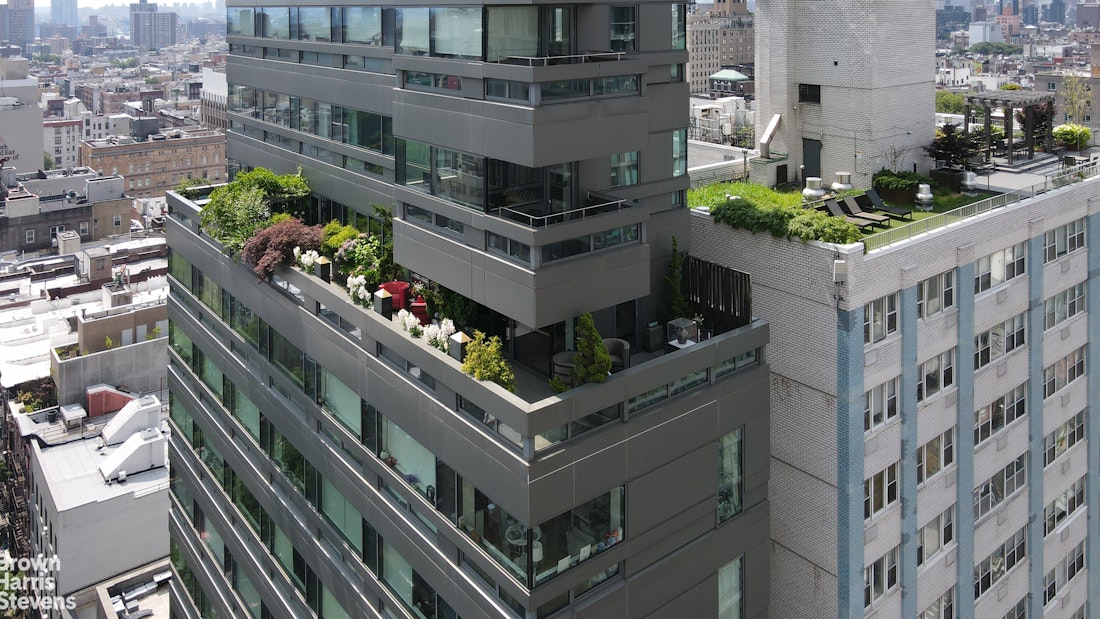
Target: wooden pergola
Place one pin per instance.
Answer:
(1009, 100)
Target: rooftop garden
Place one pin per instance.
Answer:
(781, 211)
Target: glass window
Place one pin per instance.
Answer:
(342, 515)
(679, 26)
(414, 165)
(729, 475)
(731, 585)
(679, 151)
(247, 413)
(456, 32)
(935, 294)
(624, 169)
(363, 24)
(411, 31)
(623, 28)
(513, 31)
(411, 587)
(240, 21)
(342, 402)
(575, 536)
(880, 404)
(880, 318)
(411, 460)
(314, 23)
(287, 357)
(275, 22)
(461, 177)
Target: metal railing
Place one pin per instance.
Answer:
(607, 205)
(873, 242)
(543, 61)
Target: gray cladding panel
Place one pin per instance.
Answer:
(686, 481)
(359, 90)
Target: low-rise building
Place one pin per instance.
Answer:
(36, 208)
(159, 163)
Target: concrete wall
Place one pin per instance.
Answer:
(139, 366)
(124, 328)
(870, 58)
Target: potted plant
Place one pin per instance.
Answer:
(484, 361)
(592, 363)
(898, 187)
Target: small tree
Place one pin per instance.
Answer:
(484, 361)
(1075, 92)
(676, 303)
(592, 361)
(275, 245)
(953, 147)
(47, 161)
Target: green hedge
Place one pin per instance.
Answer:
(784, 221)
(901, 181)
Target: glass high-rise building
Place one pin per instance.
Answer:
(327, 464)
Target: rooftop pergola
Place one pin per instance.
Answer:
(1009, 100)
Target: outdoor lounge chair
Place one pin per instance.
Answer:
(848, 205)
(834, 209)
(872, 198)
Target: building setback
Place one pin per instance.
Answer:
(391, 483)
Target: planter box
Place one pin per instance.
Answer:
(898, 196)
(948, 178)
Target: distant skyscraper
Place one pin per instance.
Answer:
(1056, 12)
(64, 12)
(150, 29)
(20, 22)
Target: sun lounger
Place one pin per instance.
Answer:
(849, 206)
(834, 209)
(872, 199)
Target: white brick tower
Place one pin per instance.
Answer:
(852, 80)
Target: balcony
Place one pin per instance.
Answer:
(545, 61)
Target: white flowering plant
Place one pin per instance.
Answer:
(439, 335)
(358, 289)
(410, 323)
(305, 259)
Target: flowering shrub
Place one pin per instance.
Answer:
(305, 259)
(439, 335)
(361, 255)
(410, 323)
(275, 245)
(359, 290)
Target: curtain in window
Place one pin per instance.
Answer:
(513, 31)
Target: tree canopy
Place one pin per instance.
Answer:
(238, 209)
(996, 48)
(948, 102)
(952, 146)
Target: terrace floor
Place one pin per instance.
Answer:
(533, 385)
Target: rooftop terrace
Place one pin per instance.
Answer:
(997, 186)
